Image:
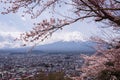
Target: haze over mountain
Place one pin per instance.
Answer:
(58, 47)
(68, 46)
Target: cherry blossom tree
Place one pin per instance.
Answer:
(107, 11)
(104, 61)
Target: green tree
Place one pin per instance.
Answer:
(49, 76)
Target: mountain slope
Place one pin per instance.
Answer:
(56, 47)
(70, 46)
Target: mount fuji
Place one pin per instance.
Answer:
(68, 47)
(57, 47)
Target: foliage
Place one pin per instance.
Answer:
(103, 62)
(49, 76)
(108, 75)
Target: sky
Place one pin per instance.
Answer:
(11, 25)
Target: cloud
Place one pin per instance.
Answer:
(5, 27)
(7, 39)
(68, 36)
(65, 36)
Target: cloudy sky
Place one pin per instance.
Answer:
(11, 25)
